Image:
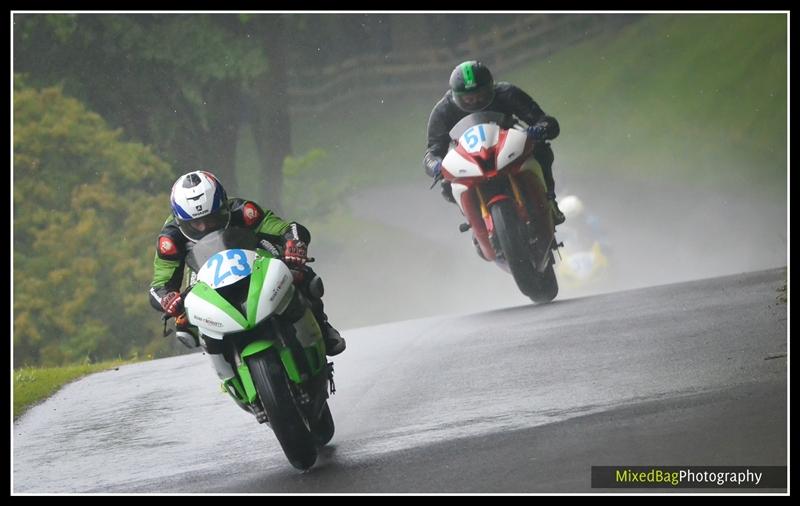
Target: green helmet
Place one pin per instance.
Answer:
(472, 85)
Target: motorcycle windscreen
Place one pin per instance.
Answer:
(232, 237)
(477, 118)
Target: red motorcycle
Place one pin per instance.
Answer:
(500, 189)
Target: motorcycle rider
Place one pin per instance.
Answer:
(200, 206)
(472, 89)
(587, 250)
(585, 228)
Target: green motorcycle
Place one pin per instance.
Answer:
(263, 339)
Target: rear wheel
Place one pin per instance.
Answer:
(287, 420)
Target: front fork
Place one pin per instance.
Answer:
(532, 211)
(306, 368)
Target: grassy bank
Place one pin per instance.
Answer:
(698, 98)
(34, 384)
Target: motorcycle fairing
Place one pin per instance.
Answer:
(215, 316)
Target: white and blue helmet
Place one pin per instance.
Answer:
(199, 204)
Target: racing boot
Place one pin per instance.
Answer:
(334, 342)
(186, 333)
(558, 216)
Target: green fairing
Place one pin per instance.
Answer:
(259, 273)
(291, 368)
(255, 347)
(285, 354)
(247, 382)
(244, 372)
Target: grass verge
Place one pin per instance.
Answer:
(34, 384)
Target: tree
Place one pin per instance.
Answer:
(269, 97)
(173, 81)
(86, 208)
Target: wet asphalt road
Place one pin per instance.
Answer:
(523, 399)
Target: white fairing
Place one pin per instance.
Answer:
(276, 294)
(227, 267)
(459, 166)
(512, 149)
(211, 320)
(458, 189)
(277, 290)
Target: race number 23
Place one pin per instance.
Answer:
(236, 264)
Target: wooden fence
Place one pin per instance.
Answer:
(529, 39)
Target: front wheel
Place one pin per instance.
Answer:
(513, 238)
(513, 241)
(546, 286)
(323, 428)
(287, 420)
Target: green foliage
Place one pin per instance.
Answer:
(86, 208)
(308, 193)
(697, 97)
(173, 81)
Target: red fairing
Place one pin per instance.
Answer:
(485, 158)
(469, 203)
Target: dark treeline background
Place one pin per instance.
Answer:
(110, 108)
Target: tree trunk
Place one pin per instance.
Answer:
(224, 103)
(271, 123)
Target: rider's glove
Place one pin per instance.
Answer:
(437, 170)
(295, 253)
(172, 303)
(538, 132)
